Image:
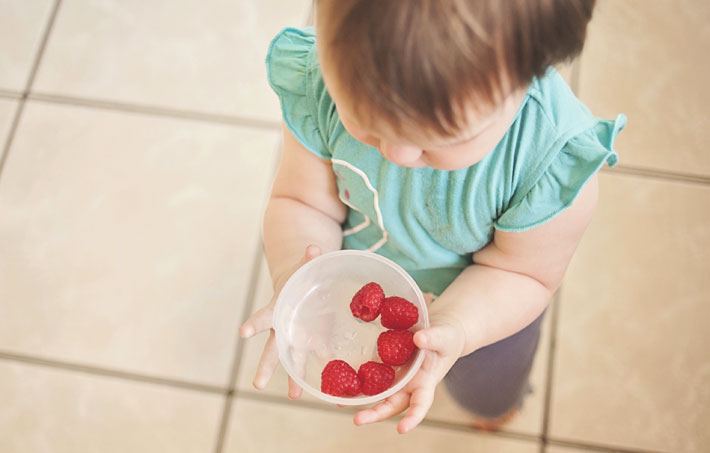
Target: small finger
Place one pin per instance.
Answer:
(294, 390)
(267, 364)
(387, 408)
(436, 338)
(299, 365)
(258, 322)
(419, 405)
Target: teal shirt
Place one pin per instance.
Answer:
(431, 221)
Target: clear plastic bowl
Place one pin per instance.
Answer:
(314, 325)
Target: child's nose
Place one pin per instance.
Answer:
(400, 154)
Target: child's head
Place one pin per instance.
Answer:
(438, 82)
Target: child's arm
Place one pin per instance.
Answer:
(304, 210)
(507, 287)
(514, 277)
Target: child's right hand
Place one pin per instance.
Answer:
(263, 320)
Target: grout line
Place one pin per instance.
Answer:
(658, 174)
(505, 434)
(317, 406)
(5, 151)
(274, 125)
(96, 371)
(273, 399)
(239, 348)
(43, 45)
(9, 94)
(598, 447)
(555, 308)
(248, 308)
(439, 424)
(153, 110)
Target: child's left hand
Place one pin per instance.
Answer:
(443, 344)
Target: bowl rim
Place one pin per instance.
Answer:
(363, 400)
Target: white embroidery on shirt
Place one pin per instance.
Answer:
(357, 228)
(378, 212)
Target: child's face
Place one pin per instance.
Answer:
(477, 138)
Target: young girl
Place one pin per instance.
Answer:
(437, 134)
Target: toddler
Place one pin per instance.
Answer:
(437, 134)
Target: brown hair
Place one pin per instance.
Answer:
(420, 62)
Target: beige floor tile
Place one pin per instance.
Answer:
(48, 410)
(649, 60)
(632, 367)
(127, 241)
(22, 23)
(529, 420)
(265, 428)
(7, 113)
(190, 54)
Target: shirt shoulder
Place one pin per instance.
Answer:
(294, 74)
(554, 147)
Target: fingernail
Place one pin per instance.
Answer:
(247, 332)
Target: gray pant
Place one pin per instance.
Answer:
(494, 379)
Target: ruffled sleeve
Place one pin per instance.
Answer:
(557, 187)
(290, 65)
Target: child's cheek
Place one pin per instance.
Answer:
(361, 135)
(368, 140)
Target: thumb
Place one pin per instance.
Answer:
(440, 338)
(311, 252)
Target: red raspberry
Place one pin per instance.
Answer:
(366, 302)
(375, 377)
(339, 379)
(396, 347)
(398, 313)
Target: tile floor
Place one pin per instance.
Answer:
(138, 141)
